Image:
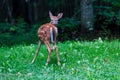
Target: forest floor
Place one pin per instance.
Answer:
(80, 60)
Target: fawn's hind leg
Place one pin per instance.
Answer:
(56, 51)
(49, 51)
(37, 51)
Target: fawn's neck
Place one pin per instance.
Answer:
(52, 23)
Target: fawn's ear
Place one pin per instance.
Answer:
(50, 14)
(60, 15)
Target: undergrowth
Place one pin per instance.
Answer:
(85, 60)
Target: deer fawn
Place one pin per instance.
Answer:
(48, 32)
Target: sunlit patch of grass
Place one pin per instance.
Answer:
(80, 61)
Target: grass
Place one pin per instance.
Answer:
(88, 60)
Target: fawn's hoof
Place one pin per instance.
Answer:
(46, 64)
(59, 64)
(32, 62)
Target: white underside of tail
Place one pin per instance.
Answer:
(56, 30)
(51, 35)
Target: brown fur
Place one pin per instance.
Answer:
(44, 31)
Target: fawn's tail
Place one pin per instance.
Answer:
(52, 35)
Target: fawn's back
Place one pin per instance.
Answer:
(44, 31)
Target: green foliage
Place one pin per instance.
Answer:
(24, 33)
(115, 3)
(107, 16)
(69, 23)
(68, 27)
(96, 60)
(4, 27)
(17, 34)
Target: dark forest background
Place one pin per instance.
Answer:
(82, 20)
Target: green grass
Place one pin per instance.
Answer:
(88, 60)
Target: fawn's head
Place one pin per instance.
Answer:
(55, 19)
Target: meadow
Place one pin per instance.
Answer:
(80, 60)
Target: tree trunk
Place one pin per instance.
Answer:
(29, 11)
(9, 12)
(86, 15)
(35, 12)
